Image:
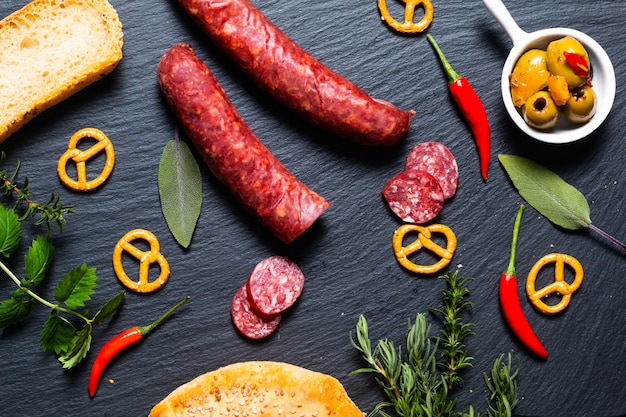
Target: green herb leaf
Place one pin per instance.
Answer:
(79, 348)
(38, 259)
(180, 190)
(76, 287)
(14, 310)
(548, 193)
(10, 231)
(57, 334)
(109, 308)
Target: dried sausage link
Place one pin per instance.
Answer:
(231, 150)
(295, 78)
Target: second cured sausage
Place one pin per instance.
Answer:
(232, 151)
(295, 78)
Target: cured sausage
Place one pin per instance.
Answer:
(293, 77)
(274, 285)
(436, 159)
(247, 321)
(232, 151)
(414, 195)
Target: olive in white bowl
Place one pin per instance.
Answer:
(601, 69)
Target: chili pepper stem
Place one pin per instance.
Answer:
(144, 330)
(450, 72)
(510, 269)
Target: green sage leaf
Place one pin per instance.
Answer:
(180, 190)
(548, 193)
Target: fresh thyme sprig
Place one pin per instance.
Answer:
(53, 211)
(415, 382)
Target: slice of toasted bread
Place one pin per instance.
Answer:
(51, 49)
(259, 389)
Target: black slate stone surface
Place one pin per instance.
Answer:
(347, 255)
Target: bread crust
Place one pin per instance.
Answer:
(58, 47)
(259, 388)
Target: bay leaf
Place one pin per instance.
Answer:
(180, 190)
(546, 192)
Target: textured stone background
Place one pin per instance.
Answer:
(347, 256)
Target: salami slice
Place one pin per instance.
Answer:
(436, 159)
(247, 321)
(274, 285)
(414, 195)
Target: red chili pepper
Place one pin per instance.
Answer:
(510, 303)
(577, 63)
(472, 108)
(120, 342)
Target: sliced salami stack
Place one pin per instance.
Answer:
(431, 176)
(273, 287)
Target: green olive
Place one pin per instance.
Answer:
(575, 74)
(581, 105)
(529, 76)
(540, 111)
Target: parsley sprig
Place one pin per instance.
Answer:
(60, 335)
(68, 330)
(417, 380)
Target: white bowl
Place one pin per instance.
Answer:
(602, 72)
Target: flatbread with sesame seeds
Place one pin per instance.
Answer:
(259, 388)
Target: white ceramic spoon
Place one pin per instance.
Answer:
(603, 75)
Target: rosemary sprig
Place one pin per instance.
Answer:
(503, 387)
(50, 212)
(415, 383)
(454, 331)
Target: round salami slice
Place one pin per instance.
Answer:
(436, 159)
(247, 321)
(274, 285)
(414, 195)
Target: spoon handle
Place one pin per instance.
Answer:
(499, 11)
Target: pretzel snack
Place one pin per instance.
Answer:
(424, 240)
(559, 286)
(80, 158)
(153, 255)
(408, 26)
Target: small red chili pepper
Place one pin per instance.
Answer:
(120, 342)
(510, 303)
(577, 63)
(472, 108)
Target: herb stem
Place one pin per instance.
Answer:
(607, 236)
(42, 300)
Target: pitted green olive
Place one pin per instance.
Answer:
(540, 111)
(529, 76)
(568, 57)
(581, 105)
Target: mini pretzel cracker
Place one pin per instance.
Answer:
(559, 286)
(423, 240)
(408, 26)
(145, 259)
(81, 157)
